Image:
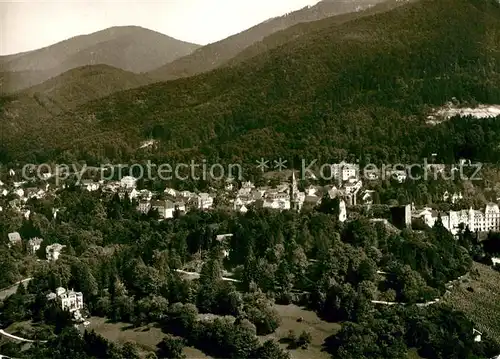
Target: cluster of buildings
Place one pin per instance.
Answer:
(176, 201)
(33, 245)
(482, 221)
(485, 220)
(172, 200)
(20, 195)
(286, 196)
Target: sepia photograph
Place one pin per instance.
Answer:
(267, 179)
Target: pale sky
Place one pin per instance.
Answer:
(29, 25)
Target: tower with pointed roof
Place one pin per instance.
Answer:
(294, 191)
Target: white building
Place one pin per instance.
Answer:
(223, 237)
(343, 171)
(26, 213)
(171, 192)
(128, 182)
(131, 192)
(69, 300)
(165, 208)
(477, 335)
(14, 239)
(477, 221)
(72, 301)
(246, 188)
(187, 194)
(145, 194)
(205, 201)
(311, 190)
(279, 200)
(144, 206)
(90, 185)
(54, 251)
(241, 203)
(243, 209)
(342, 211)
(34, 245)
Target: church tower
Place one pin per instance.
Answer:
(342, 211)
(294, 191)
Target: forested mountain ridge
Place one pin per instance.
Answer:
(82, 84)
(66, 92)
(281, 37)
(130, 48)
(217, 54)
(363, 88)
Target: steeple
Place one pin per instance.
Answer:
(294, 191)
(295, 188)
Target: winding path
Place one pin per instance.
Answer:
(11, 289)
(197, 275)
(2, 332)
(4, 293)
(417, 304)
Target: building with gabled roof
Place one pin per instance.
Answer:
(69, 300)
(128, 182)
(54, 251)
(165, 208)
(14, 239)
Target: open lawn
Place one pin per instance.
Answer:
(318, 328)
(147, 337)
(482, 301)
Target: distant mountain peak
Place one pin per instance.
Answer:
(131, 48)
(217, 54)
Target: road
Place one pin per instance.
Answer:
(2, 332)
(197, 275)
(5, 292)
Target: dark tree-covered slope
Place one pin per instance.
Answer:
(217, 54)
(362, 87)
(281, 37)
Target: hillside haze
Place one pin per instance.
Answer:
(363, 87)
(214, 55)
(130, 48)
